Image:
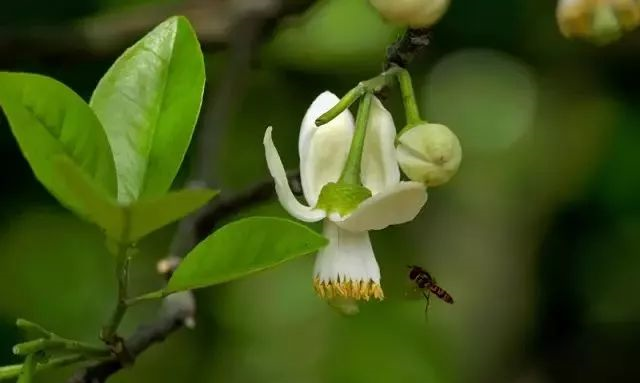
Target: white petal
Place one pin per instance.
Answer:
(379, 165)
(398, 204)
(323, 150)
(348, 257)
(285, 195)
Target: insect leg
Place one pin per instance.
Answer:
(427, 296)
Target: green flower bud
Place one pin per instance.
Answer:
(600, 21)
(429, 153)
(412, 13)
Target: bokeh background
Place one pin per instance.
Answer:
(537, 237)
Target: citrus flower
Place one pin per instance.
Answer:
(347, 268)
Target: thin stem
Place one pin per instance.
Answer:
(372, 85)
(9, 372)
(12, 371)
(122, 275)
(342, 105)
(28, 369)
(408, 97)
(159, 294)
(34, 328)
(59, 344)
(351, 171)
(123, 259)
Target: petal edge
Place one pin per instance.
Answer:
(395, 205)
(285, 195)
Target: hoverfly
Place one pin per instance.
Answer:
(427, 284)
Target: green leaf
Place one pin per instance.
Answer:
(150, 215)
(148, 103)
(131, 222)
(50, 120)
(94, 205)
(241, 248)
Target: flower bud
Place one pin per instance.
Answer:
(600, 21)
(429, 153)
(412, 13)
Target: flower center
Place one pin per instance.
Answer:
(341, 198)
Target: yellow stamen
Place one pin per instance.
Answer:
(358, 290)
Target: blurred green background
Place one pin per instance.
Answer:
(537, 237)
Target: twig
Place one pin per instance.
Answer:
(142, 339)
(407, 47)
(225, 208)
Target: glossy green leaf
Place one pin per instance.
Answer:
(50, 120)
(128, 222)
(94, 205)
(148, 103)
(241, 248)
(152, 214)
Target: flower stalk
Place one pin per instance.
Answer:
(374, 85)
(408, 97)
(351, 172)
(371, 85)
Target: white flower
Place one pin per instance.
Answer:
(429, 153)
(412, 13)
(347, 267)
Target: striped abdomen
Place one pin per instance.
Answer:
(440, 293)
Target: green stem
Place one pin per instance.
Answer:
(59, 344)
(9, 372)
(351, 172)
(28, 369)
(372, 85)
(35, 328)
(342, 105)
(146, 297)
(408, 97)
(12, 371)
(122, 275)
(109, 331)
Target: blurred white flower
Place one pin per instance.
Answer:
(412, 13)
(347, 267)
(429, 153)
(600, 21)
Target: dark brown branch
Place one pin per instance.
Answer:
(405, 49)
(142, 339)
(226, 208)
